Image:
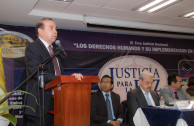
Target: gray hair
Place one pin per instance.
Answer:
(145, 73)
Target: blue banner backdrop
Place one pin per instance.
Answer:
(87, 52)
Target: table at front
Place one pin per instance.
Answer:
(154, 116)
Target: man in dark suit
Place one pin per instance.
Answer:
(101, 114)
(37, 52)
(141, 96)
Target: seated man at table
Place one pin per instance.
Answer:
(174, 90)
(106, 109)
(142, 96)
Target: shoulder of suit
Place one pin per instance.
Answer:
(37, 42)
(94, 95)
(134, 92)
(99, 92)
(113, 93)
(183, 89)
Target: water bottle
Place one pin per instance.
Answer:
(162, 102)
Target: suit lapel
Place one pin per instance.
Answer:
(102, 100)
(114, 102)
(141, 98)
(44, 51)
(154, 98)
(45, 54)
(180, 94)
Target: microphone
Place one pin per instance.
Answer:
(58, 43)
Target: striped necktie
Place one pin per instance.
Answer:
(55, 63)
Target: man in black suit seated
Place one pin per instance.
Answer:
(142, 96)
(101, 114)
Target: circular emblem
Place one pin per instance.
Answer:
(13, 44)
(125, 71)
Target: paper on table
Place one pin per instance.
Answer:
(181, 104)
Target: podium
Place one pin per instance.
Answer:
(72, 99)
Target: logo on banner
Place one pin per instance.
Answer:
(125, 71)
(13, 44)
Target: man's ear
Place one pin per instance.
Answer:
(39, 31)
(172, 83)
(112, 85)
(140, 81)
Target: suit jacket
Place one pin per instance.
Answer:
(35, 53)
(99, 115)
(169, 96)
(136, 99)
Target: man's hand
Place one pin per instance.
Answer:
(78, 76)
(115, 123)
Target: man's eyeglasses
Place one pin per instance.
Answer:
(105, 82)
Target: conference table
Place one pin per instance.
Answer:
(156, 116)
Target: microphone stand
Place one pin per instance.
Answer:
(42, 83)
(42, 86)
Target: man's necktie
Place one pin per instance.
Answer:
(148, 99)
(56, 66)
(108, 107)
(175, 95)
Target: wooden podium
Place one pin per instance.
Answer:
(72, 99)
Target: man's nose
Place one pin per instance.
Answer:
(55, 31)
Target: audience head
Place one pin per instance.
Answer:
(191, 80)
(175, 81)
(106, 83)
(46, 29)
(146, 80)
